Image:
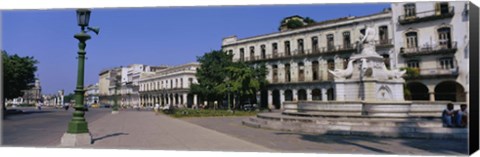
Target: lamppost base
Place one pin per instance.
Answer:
(115, 112)
(73, 140)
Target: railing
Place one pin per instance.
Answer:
(429, 49)
(436, 72)
(383, 42)
(426, 16)
(314, 51)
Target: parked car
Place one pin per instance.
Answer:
(249, 107)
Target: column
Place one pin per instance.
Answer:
(184, 99)
(467, 98)
(282, 98)
(323, 69)
(432, 96)
(324, 94)
(269, 73)
(195, 99)
(309, 94)
(295, 94)
(270, 100)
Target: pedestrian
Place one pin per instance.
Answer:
(461, 116)
(39, 106)
(447, 115)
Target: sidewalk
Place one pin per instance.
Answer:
(145, 130)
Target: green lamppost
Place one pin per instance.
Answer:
(77, 132)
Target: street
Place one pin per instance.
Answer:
(132, 129)
(42, 128)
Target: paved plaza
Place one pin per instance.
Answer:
(300, 142)
(145, 130)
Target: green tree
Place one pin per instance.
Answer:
(217, 72)
(18, 73)
(296, 22)
(69, 97)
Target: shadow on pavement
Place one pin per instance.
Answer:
(107, 136)
(347, 140)
(437, 146)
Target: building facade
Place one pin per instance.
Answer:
(298, 60)
(428, 38)
(91, 94)
(121, 83)
(34, 94)
(431, 39)
(169, 86)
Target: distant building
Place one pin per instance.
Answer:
(127, 86)
(169, 86)
(91, 94)
(34, 94)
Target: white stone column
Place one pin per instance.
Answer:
(309, 94)
(184, 99)
(324, 94)
(282, 98)
(269, 73)
(467, 98)
(295, 94)
(323, 69)
(432, 96)
(270, 100)
(195, 99)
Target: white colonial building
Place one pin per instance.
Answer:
(298, 60)
(121, 83)
(91, 94)
(429, 37)
(432, 38)
(169, 86)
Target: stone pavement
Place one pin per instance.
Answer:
(145, 130)
(284, 141)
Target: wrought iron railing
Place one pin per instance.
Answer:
(429, 49)
(427, 15)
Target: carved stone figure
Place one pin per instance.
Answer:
(340, 73)
(395, 73)
(368, 41)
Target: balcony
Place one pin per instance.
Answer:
(428, 49)
(426, 73)
(426, 16)
(384, 43)
(316, 51)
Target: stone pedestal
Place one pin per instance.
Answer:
(369, 80)
(73, 140)
(115, 112)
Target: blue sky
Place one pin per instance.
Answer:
(152, 36)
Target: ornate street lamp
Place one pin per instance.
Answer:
(77, 132)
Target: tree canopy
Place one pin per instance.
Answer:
(218, 75)
(296, 22)
(18, 74)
